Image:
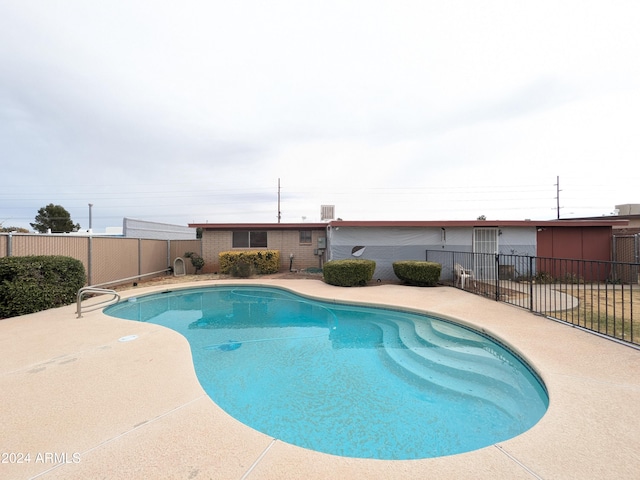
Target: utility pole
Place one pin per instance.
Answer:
(279, 213)
(558, 197)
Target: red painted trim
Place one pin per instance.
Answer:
(259, 226)
(418, 224)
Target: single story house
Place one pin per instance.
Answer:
(301, 245)
(627, 211)
(305, 245)
(386, 242)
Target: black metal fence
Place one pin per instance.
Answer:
(595, 295)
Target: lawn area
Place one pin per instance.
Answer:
(613, 310)
(607, 308)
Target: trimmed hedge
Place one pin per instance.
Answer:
(348, 273)
(244, 262)
(421, 274)
(35, 283)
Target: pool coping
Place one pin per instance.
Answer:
(84, 404)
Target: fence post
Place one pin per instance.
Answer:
(9, 245)
(530, 283)
(139, 256)
(497, 272)
(90, 260)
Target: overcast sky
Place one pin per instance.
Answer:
(191, 111)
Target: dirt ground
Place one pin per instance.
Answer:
(170, 279)
(203, 277)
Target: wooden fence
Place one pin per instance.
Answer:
(106, 259)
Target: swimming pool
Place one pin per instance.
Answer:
(347, 380)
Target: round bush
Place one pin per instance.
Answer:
(242, 269)
(348, 273)
(421, 274)
(35, 283)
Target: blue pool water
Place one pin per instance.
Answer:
(347, 380)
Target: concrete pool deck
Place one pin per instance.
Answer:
(83, 404)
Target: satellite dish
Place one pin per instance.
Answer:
(357, 251)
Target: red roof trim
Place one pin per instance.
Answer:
(417, 223)
(482, 223)
(259, 226)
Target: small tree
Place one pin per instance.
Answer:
(56, 218)
(196, 260)
(13, 229)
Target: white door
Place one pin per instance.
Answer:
(485, 242)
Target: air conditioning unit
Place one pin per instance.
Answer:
(327, 212)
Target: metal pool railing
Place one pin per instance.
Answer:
(97, 290)
(598, 296)
(94, 306)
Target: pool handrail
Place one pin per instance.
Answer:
(95, 289)
(95, 306)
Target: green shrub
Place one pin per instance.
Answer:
(196, 260)
(348, 273)
(571, 278)
(543, 277)
(567, 277)
(242, 269)
(35, 283)
(421, 274)
(261, 261)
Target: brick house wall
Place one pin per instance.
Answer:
(282, 237)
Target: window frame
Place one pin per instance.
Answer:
(307, 234)
(249, 239)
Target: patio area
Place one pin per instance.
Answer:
(82, 404)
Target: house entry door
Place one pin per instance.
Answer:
(485, 242)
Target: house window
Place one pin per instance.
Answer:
(305, 237)
(246, 239)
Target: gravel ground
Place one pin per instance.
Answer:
(170, 279)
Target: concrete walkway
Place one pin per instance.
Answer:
(84, 405)
(546, 298)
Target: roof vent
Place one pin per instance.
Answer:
(327, 212)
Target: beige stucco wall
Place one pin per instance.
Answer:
(287, 242)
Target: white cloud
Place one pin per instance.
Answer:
(414, 109)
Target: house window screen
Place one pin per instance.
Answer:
(249, 239)
(305, 237)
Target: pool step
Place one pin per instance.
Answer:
(470, 358)
(452, 345)
(446, 378)
(400, 336)
(449, 331)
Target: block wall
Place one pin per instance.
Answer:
(287, 242)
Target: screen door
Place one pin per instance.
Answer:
(485, 243)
